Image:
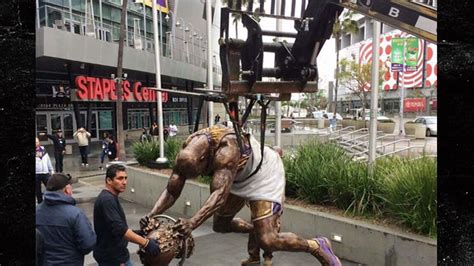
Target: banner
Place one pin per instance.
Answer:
(411, 54)
(397, 54)
(160, 4)
(414, 105)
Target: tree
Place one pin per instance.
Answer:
(357, 78)
(347, 25)
(237, 16)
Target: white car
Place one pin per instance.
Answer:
(325, 115)
(431, 123)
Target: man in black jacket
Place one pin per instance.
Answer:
(59, 143)
(110, 223)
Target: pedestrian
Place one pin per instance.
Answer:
(173, 129)
(217, 118)
(112, 149)
(44, 169)
(166, 133)
(105, 150)
(82, 137)
(59, 143)
(67, 233)
(154, 131)
(144, 136)
(111, 226)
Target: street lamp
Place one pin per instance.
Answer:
(187, 44)
(200, 48)
(192, 36)
(171, 34)
(181, 25)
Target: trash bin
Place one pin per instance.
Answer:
(320, 123)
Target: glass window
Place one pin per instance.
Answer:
(68, 126)
(41, 126)
(93, 129)
(55, 122)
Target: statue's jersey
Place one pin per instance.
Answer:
(268, 183)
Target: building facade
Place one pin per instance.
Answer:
(422, 97)
(76, 54)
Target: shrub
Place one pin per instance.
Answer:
(410, 191)
(323, 173)
(146, 151)
(172, 147)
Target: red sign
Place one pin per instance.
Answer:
(414, 105)
(104, 90)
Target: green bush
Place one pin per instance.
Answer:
(146, 151)
(399, 187)
(150, 150)
(172, 147)
(322, 173)
(410, 192)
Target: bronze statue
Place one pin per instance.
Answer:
(214, 151)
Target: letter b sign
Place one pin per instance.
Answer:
(394, 12)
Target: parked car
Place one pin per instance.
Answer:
(431, 123)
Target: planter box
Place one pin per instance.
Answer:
(358, 124)
(415, 129)
(361, 242)
(386, 128)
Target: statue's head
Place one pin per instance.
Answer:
(194, 158)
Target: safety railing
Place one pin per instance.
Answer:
(351, 134)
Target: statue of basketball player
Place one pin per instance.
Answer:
(214, 151)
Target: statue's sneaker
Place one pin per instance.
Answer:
(250, 262)
(324, 253)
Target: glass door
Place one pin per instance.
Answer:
(42, 126)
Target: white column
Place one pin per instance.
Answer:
(373, 94)
(159, 116)
(210, 81)
(71, 28)
(277, 103)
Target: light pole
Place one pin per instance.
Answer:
(171, 34)
(181, 25)
(192, 36)
(161, 159)
(200, 48)
(187, 44)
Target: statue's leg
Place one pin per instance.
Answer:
(225, 222)
(269, 239)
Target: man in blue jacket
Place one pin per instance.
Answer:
(67, 233)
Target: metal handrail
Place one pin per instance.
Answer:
(403, 149)
(394, 143)
(351, 133)
(339, 131)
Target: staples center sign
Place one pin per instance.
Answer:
(91, 89)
